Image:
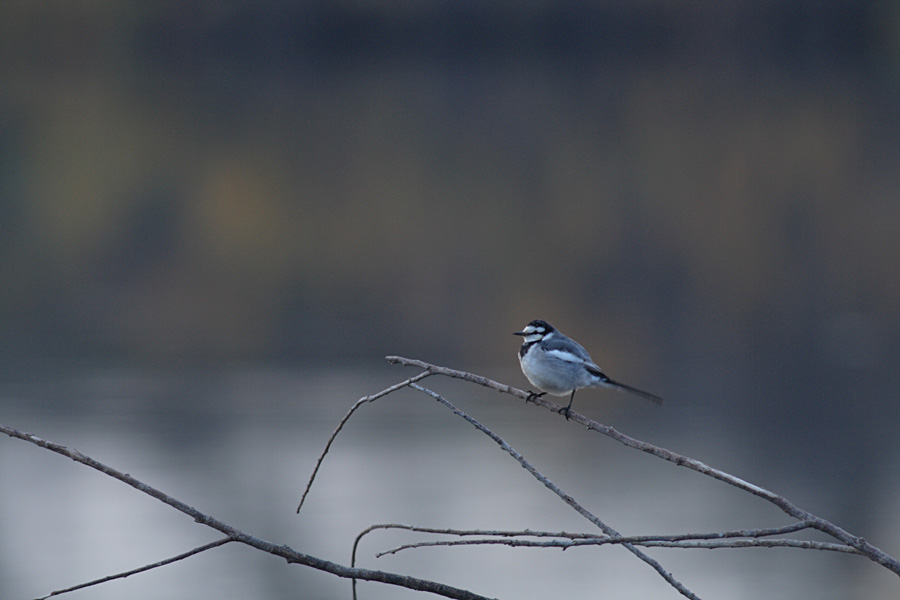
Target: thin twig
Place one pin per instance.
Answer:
(864, 547)
(635, 540)
(337, 430)
(346, 418)
(556, 490)
(155, 565)
(285, 552)
(737, 533)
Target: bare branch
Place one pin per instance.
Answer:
(460, 532)
(864, 547)
(713, 540)
(556, 490)
(155, 565)
(727, 539)
(602, 541)
(285, 552)
(346, 418)
(718, 539)
(751, 543)
(745, 533)
(472, 377)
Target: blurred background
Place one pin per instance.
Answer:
(217, 218)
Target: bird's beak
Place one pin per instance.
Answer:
(519, 333)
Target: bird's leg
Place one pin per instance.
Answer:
(565, 411)
(533, 396)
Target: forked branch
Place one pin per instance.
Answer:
(861, 545)
(730, 539)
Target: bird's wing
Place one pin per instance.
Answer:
(573, 352)
(595, 370)
(567, 356)
(566, 349)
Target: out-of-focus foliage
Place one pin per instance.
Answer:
(184, 181)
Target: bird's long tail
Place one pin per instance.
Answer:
(623, 386)
(645, 395)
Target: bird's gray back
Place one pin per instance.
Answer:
(558, 341)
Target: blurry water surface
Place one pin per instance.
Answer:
(239, 444)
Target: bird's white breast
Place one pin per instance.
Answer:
(543, 375)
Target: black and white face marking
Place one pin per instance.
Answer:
(535, 331)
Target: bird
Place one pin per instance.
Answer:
(558, 365)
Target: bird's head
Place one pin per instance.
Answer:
(535, 331)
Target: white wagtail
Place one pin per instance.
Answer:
(558, 365)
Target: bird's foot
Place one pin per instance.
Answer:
(564, 412)
(533, 396)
